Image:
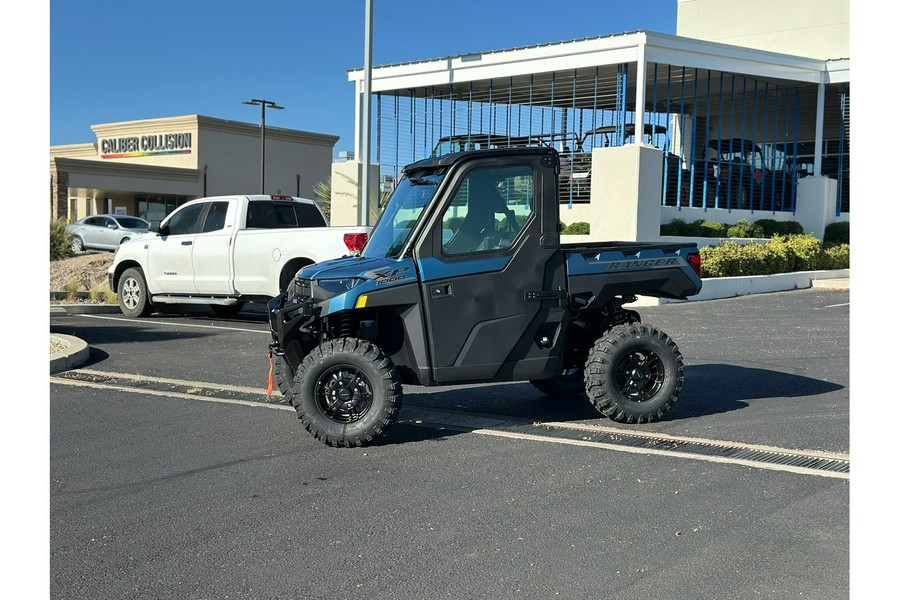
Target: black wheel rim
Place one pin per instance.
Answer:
(343, 394)
(640, 375)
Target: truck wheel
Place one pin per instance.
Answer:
(227, 311)
(133, 295)
(634, 373)
(347, 392)
(566, 385)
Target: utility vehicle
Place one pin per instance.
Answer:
(464, 279)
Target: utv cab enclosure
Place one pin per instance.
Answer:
(465, 280)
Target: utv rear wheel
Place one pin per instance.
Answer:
(133, 295)
(347, 392)
(634, 373)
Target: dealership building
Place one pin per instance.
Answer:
(743, 114)
(146, 168)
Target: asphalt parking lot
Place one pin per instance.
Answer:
(172, 476)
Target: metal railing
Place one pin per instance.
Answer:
(729, 141)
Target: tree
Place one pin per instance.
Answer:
(322, 193)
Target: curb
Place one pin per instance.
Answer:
(717, 288)
(74, 356)
(58, 310)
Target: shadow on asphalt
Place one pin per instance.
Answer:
(709, 389)
(110, 335)
(717, 388)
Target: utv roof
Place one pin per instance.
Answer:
(449, 159)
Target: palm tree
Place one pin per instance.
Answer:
(322, 192)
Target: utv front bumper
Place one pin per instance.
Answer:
(289, 319)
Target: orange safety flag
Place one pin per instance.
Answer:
(271, 367)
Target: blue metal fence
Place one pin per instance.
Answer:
(729, 141)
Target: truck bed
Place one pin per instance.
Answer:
(626, 248)
(597, 271)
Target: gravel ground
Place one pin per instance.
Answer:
(83, 268)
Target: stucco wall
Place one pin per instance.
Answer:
(812, 28)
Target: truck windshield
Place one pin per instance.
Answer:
(403, 210)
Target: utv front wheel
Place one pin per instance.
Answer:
(347, 392)
(283, 374)
(634, 373)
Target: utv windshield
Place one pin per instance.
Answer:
(401, 214)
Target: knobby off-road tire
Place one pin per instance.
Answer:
(634, 373)
(568, 385)
(283, 374)
(134, 300)
(347, 392)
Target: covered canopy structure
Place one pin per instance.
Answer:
(685, 94)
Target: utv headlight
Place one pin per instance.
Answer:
(339, 286)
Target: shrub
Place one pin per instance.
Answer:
(713, 229)
(837, 257)
(807, 251)
(791, 228)
(676, 227)
(837, 233)
(698, 228)
(71, 288)
(763, 228)
(782, 254)
(744, 229)
(578, 228)
(732, 259)
(60, 241)
(98, 290)
(770, 228)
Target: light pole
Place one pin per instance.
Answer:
(262, 161)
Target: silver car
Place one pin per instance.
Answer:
(104, 232)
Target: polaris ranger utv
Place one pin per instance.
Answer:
(464, 280)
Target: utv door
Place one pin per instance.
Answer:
(486, 253)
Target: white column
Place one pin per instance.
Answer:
(625, 193)
(820, 126)
(640, 86)
(358, 126)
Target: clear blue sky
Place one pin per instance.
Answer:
(116, 61)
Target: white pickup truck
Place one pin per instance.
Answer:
(225, 251)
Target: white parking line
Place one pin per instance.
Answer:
(835, 305)
(183, 324)
(491, 425)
